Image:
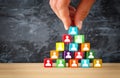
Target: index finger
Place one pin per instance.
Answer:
(63, 10)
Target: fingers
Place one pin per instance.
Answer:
(82, 11)
(53, 6)
(61, 9)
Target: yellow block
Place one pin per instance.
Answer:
(59, 46)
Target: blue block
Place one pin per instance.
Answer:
(73, 30)
(85, 63)
(73, 47)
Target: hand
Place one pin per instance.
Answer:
(68, 14)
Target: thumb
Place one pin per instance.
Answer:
(82, 12)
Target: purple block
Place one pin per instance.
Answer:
(67, 54)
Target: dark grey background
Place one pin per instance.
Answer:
(29, 30)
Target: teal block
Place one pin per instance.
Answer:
(85, 63)
(73, 30)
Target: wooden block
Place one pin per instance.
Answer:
(73, 30)
(48, 63)
(90, 54)
(66, 38)
(85, 63)
(79, 39)
(54, 54)
(73, 63)
(73, 47)
(67, 55)
(97, 63)
(59, 46)
(85, 47)
(60, 63)
(78, 55)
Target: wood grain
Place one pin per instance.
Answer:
(36, 70)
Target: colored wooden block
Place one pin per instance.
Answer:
(67, 55)
(97, 63)
(73, 30)
(60, 63)
(59, 46)
(78, 55)
(90, 54)
(73, 47)
(48, 62)
(79, 39)
(54, 54)
(73, 63)
(66, 38)
(85, 63)
(85, 47)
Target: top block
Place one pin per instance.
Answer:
(73, 30)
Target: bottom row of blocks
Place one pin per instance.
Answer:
(61, 63)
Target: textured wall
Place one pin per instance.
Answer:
(29, 30)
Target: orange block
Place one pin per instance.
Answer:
(73, 63)
(85, 47)
(54, 54)
(97, 63)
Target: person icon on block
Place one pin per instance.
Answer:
(68, 55)
(73, 47)
(73, 31)
(79, 39)
(60, 63)
(74, 63)
(86, 47)
(67, 39)
(54, 55)
(60, 47)
(91, 55)
(78, 55)
(85, 63)
(97, 64)
(48, 63)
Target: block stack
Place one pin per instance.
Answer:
(74, 50)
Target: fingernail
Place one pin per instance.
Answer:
(80, 25)
(66, 28)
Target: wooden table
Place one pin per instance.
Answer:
(36, 70)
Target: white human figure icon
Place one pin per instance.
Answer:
(85, 47)
(91, 55)
(54, 55)
(85, 63)
(78, 39)
(67, 39)
(68, 55)
(60, 63)
(60, 47)
(48, 63)
(73, 31)
(73, 47)
(74, 63)
(78, 55)
(97, 63)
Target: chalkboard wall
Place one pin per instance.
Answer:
(29, 29)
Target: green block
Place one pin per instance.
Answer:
(79, 39)
(60, 63)
(90, 54)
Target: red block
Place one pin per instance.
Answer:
(48, 62)
(66, 38)
(78, 55)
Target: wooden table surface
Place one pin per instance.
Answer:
(36, 70)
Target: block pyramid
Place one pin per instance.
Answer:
(74, 50)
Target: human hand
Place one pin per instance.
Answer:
(70, 15)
